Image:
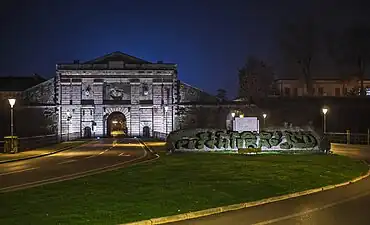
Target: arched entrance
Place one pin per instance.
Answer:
(87, 132)
(116, 124)
(146, 132)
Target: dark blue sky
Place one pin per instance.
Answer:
(209, 40)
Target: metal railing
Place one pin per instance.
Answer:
(27, 143)
(160, 135)
(349, 138)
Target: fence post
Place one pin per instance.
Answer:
(368, 136)
(348, 137)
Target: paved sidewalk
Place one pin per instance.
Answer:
(5, 157)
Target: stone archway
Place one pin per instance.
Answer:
(117, 124)
(108, 111)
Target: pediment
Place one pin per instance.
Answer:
(117, 57)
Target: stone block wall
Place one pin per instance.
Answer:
(189, 93)
(43, 93)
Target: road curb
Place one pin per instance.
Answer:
(217, 210)
(42, 155)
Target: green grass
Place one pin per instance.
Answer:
(174, 184)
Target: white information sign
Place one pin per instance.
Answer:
(246, 124)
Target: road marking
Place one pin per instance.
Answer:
(18, 171)
(75, 175)
(124, 154)
(68, 161)
(312, 210)
(101, 153)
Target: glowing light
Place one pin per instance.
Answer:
(166, 108)
(233, 114)
(241, 116)
(264, 115)
(325, 110)
(114, 121)
(12, 102)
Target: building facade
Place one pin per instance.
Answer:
(116, 93)
(321, 87)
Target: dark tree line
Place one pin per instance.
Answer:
(302, 44)
(302, 41)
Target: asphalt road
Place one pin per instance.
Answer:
(93, 157)
(347, 205)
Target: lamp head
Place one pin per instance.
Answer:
(166, 108)
(241, 116)
(264, 115)
(233, 114)
(12, 102)
(325, 110)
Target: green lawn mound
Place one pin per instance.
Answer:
(174, 184)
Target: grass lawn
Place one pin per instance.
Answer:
(39, 151)
(174, 184)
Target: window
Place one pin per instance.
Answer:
(145, 90)
(321, 91)
(168, 95)
(295, 91)
(286, 91)
(337, 91)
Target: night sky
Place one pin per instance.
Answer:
(209, 40)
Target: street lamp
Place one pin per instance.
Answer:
(324, 112)
(241, 116)
(165, 111)
(264, 120)
(232, 120)
(11, 103)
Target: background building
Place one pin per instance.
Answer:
(321, 87)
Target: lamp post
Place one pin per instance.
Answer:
(69, 117)
(232, 120)
(264, 120)
(11, 103)
(165, 111)
(324, 112)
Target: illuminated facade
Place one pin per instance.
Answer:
(116, 94)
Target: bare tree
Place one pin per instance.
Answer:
(351, 48)
(299, 42)
(222, 94)
(255, 79)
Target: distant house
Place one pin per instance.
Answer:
(321, 87)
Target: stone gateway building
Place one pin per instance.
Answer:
(116, 94)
